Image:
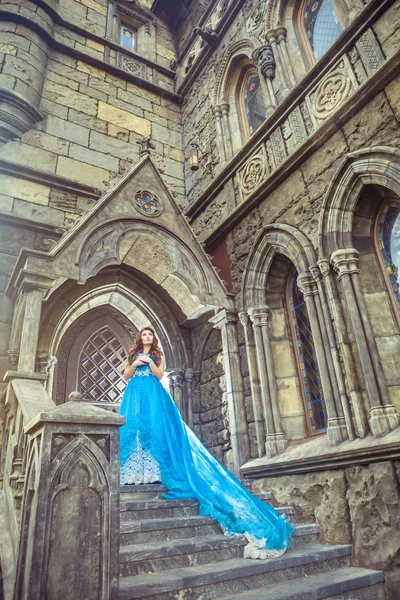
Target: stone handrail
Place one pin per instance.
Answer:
(60, 486)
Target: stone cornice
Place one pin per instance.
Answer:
(96, 62)
(336, 458)
(46, 178)
(342, 45)
(16, 220)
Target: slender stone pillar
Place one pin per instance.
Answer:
(171, 378)
(254, 383)
(320, 274)
(226, 321)
(34, 288)
(275, 438)
(283, 78)
(226, 130)
(221, 141)
(265, 61)
(189, 374)
(281, 34)
(336, 426)
(178, 391)
(382, 414)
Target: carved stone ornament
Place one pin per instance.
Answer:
(129, 65)
(148, 204)
(333, 91)
(255, 24)
(253, 173)
(207, 34)
(264, 58)
(17, 115)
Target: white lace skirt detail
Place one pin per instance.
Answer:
(140, 467)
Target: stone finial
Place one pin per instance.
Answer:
(75, 397)
(207, 34)
(264, 58)
(146, 145)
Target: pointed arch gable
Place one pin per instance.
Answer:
(379, 165)
(272, 239)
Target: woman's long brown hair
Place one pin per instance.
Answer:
(138, 347)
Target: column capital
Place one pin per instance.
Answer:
(217, 111)
(316, 273)
(34, 281)
(225, 108)
(345, 261)
(265, 61)
(259, 315)
(223, 317)
(324, 267)
(243, 318)
(271, 36)
(281, 33)
(189, 374)
(307, 284)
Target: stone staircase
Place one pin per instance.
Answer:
(170, 552)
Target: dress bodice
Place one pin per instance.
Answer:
(143, 370)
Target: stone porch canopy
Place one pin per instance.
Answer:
(137, 226)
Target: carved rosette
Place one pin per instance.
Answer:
(332, 91)
(253, 173)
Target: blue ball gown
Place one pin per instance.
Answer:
(157, 445)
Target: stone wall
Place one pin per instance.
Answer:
(358, 505)
(210, 403)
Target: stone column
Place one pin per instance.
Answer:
(264, 59)
(220, 136)
(171, 379)
(382, 414)
(189, 374)
(320, 274)
(34, 288)
(254, 383)
(272, 39)
(336, 426)
(178, 391)
(226, 321)
(281, 34)
(226, 130)
(275, 439)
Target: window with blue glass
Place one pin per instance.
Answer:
(321, 24)
(128, 38)
(253, 102)
(303, 341)
(388, 234)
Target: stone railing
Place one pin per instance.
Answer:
(339, 84)
(59, 494)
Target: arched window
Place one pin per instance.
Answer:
(321, 24)
(388, 241)
(252, 102)
(306, 360)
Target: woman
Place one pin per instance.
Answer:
(157, 446)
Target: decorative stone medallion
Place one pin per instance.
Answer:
(148, 204)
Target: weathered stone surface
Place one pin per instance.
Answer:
(373, 498)
(123, 118)
(319, 497)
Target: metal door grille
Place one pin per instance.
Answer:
(101, 368)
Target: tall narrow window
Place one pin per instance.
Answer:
(321, 24)
(252, 101)
(388, 238)
(128, 38)
(309, 375)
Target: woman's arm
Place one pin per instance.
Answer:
(157, 371)
(130, 369)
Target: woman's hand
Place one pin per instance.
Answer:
(145, 359)
(138, 362)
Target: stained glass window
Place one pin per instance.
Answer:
(306, 354)
(128, 38)
(101, 368)
(321, 24)
(389, 244)
(253, 102)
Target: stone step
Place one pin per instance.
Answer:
(215, 580)
(174, 554)
(348, 583)
(150, 491)
(156, 509)
(139, 532)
